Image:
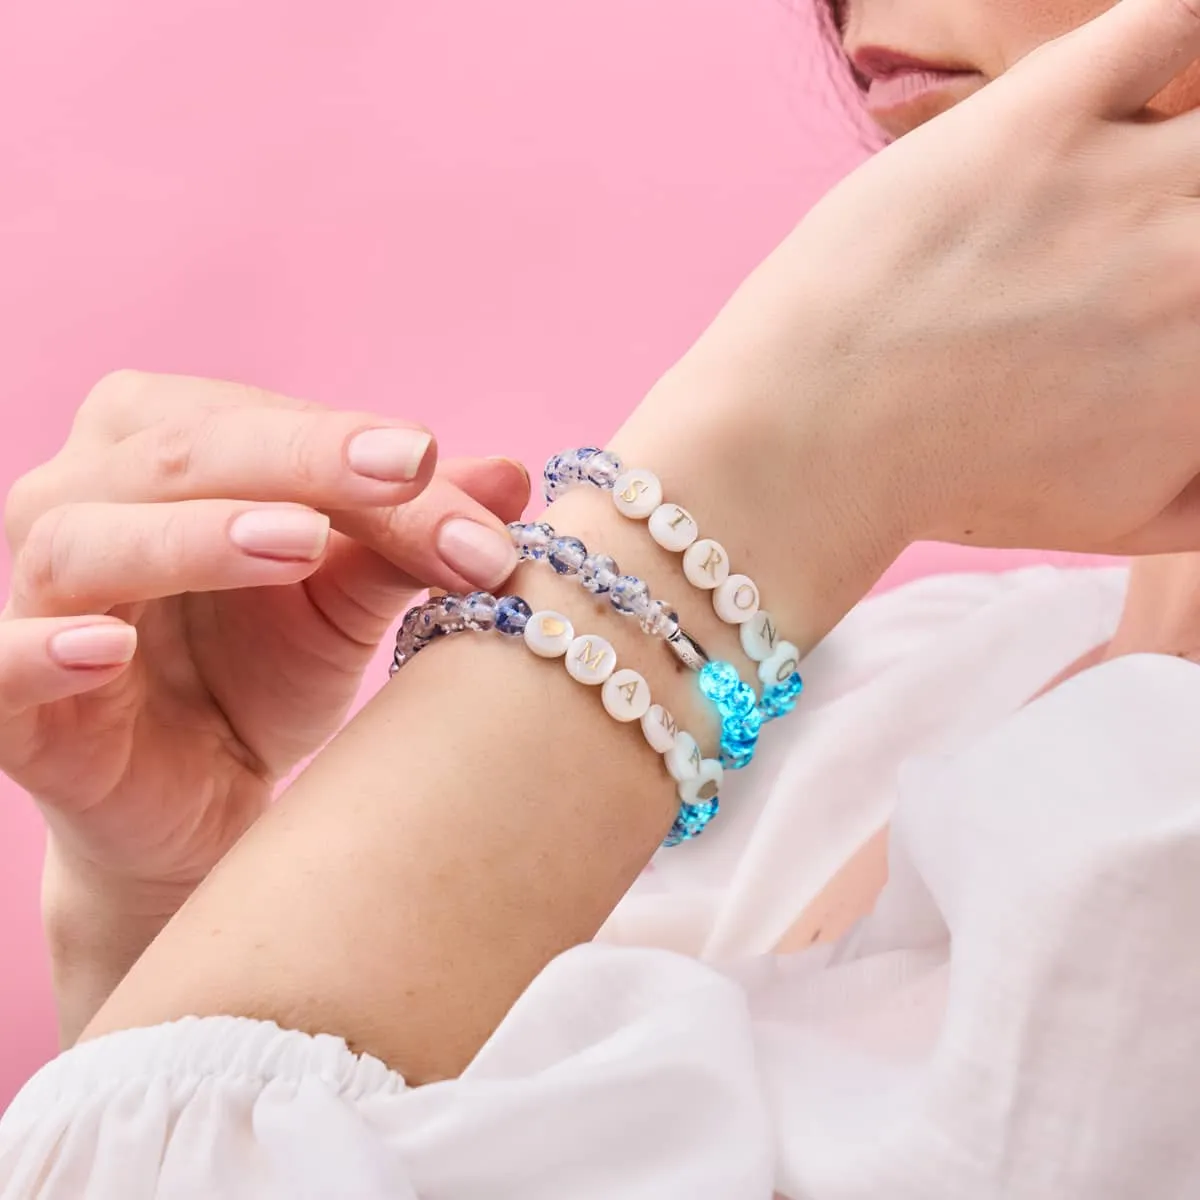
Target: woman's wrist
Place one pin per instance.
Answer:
(96, 927)
(807, 508)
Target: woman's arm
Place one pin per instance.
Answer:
(483, 814)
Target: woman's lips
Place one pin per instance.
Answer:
(904, 92)
(901, 102)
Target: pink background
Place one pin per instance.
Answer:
(503, 219)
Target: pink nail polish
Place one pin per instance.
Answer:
(94, 646)
(391, 455)
(289, 534)
(477, 552)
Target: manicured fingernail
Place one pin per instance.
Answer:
(512, 462)
(293, 534)
(392, 455)
(94, 646)
(477, 553)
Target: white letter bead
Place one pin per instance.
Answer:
(780, 665)
(660, 728)
(548, 634)
(706, 564)
(637, 494)
(591, 659)
(760, 636)
(683, 759)
(705, 786)
(736, 600)
(673, 528)
(626, 695)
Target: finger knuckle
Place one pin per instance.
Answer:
(169, 453)
(43, 562)
(113, 393)
(305, 453)
(25, 501)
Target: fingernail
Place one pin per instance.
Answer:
(293, 534)
(512, 462)
(476, 552)
(392, 455)
(94, 646)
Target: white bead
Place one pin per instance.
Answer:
(760, 636)
(683, 759)
(706, 564)
(637, 494)
(705, 786)
(626, 695)
(673, 528)
(736, 600)
(548, 634)
(780, 665)
(590, 659)
(660, 728)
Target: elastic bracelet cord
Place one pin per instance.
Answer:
(638, 495)
(590, 660)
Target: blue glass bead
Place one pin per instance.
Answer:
(449, 614)
(479, 611)
(780, 698)
(603, 469)
(657, 619)
(628, 592)
(566, 555)
(718, 681)
(536, 540)
(743, 701)
(691, 821)
(427, 621)
(598, 573)
(512, 615)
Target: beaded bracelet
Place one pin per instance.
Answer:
(590, 660)
(638, 495)
(734, 700)
(599, 575)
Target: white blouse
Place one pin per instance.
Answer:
(1019, 1018)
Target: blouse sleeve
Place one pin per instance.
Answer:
(577, 1094)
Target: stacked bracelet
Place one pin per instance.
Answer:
(600, 575)
(638, 495)
(591, 660)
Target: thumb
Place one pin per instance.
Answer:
(1116, 64)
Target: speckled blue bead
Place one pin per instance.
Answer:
(566, 555)
(628, 592)
(603, 470)
(598, 573)
(780, 698)
(479, 611)
(737, 706)
(512, 615)
(691, 821)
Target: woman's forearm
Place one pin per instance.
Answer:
(482, 814)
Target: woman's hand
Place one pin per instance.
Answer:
(184, 627)
(990, 333)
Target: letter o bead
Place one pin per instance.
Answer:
(736, 600)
